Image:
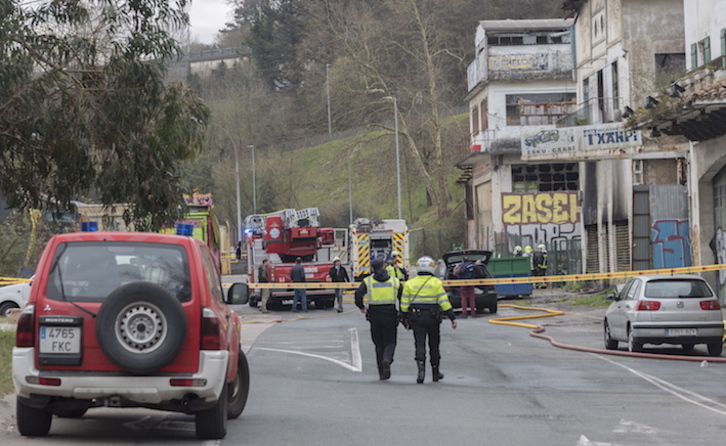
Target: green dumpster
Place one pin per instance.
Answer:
(511, 267)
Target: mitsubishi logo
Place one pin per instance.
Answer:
(47, 308)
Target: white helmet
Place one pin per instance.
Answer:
(394, 254)
(426, 265)
(336, 259)
(542, 248)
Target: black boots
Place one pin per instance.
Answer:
(435, 371)
(385, 371)
(421, 372)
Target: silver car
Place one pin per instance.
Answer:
(659, 309)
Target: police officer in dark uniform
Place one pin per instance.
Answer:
(382, 292)
(423, 304)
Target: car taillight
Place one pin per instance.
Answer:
(187, 382)
(25, 333)
(43, 381)
(710, 305)
(648, 305)
(211, 331)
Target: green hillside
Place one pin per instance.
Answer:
(318, 177)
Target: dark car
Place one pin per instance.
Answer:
(485, 295)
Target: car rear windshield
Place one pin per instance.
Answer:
(90, 271)
(674, 289)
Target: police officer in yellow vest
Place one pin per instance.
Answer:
(423, 304)
(382, 292)
(395, 268)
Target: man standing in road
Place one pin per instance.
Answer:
(382, 292)
(263, 276)
(395, 268)
(338, 274)
(423, 304)
(297, 275)
(465, 271)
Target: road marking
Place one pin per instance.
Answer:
(357, 365)
(684, 394)
(137, 425)
(355, 350)
(585, 442)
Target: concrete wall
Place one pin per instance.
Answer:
(650, 27)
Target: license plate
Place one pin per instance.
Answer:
(682, 332)
(62, 340)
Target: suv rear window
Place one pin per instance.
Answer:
(674, 289)
(90, 271)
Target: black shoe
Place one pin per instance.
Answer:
(436, 374)
(386, 369)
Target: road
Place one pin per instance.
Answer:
(314, 382)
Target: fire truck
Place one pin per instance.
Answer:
(371, 239)
(283, 236)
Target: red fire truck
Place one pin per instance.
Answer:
(285, 235)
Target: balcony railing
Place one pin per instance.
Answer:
(594, 111)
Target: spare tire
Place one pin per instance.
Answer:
(141, 327)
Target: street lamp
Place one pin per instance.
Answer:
(398, 152)
(254, 181)
(236, 171)
(327, 86)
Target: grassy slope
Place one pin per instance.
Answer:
(318, 177)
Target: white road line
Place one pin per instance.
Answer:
(355, 350)
(674, 390)
(312, 355)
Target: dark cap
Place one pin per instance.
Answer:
(377, 264)
(298, 260)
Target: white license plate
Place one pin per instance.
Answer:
(60, 340)
(682, 332)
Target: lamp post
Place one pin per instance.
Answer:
(327, 86)
(398, 151)
(254, 181)
(236, 171)
(239, 209)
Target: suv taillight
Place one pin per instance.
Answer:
(211, 331)
(25, 333)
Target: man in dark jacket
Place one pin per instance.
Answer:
(382, 292)
(297, 275)
(338, 274)
(263, 276)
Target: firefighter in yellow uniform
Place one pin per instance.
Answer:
(423, 304)
(395, 268)
(383, 292)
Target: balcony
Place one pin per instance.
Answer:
(523, 62)
(594, 111)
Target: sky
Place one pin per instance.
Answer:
(207, 18)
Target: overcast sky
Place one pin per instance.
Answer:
(208, 17)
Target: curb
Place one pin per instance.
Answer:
(7, 412)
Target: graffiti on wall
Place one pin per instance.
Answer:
(718, 245)
(541, 208)
(671, 243)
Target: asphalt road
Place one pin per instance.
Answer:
(314, 382)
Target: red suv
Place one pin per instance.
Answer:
(123, 319)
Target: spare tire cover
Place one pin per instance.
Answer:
(141, 327)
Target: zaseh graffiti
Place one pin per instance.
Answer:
(671, 243)
(541, 217)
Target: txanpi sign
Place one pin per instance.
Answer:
(582, 142)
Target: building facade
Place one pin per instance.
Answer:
(520, 82)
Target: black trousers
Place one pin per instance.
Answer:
(425, 323)
(384, 323)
